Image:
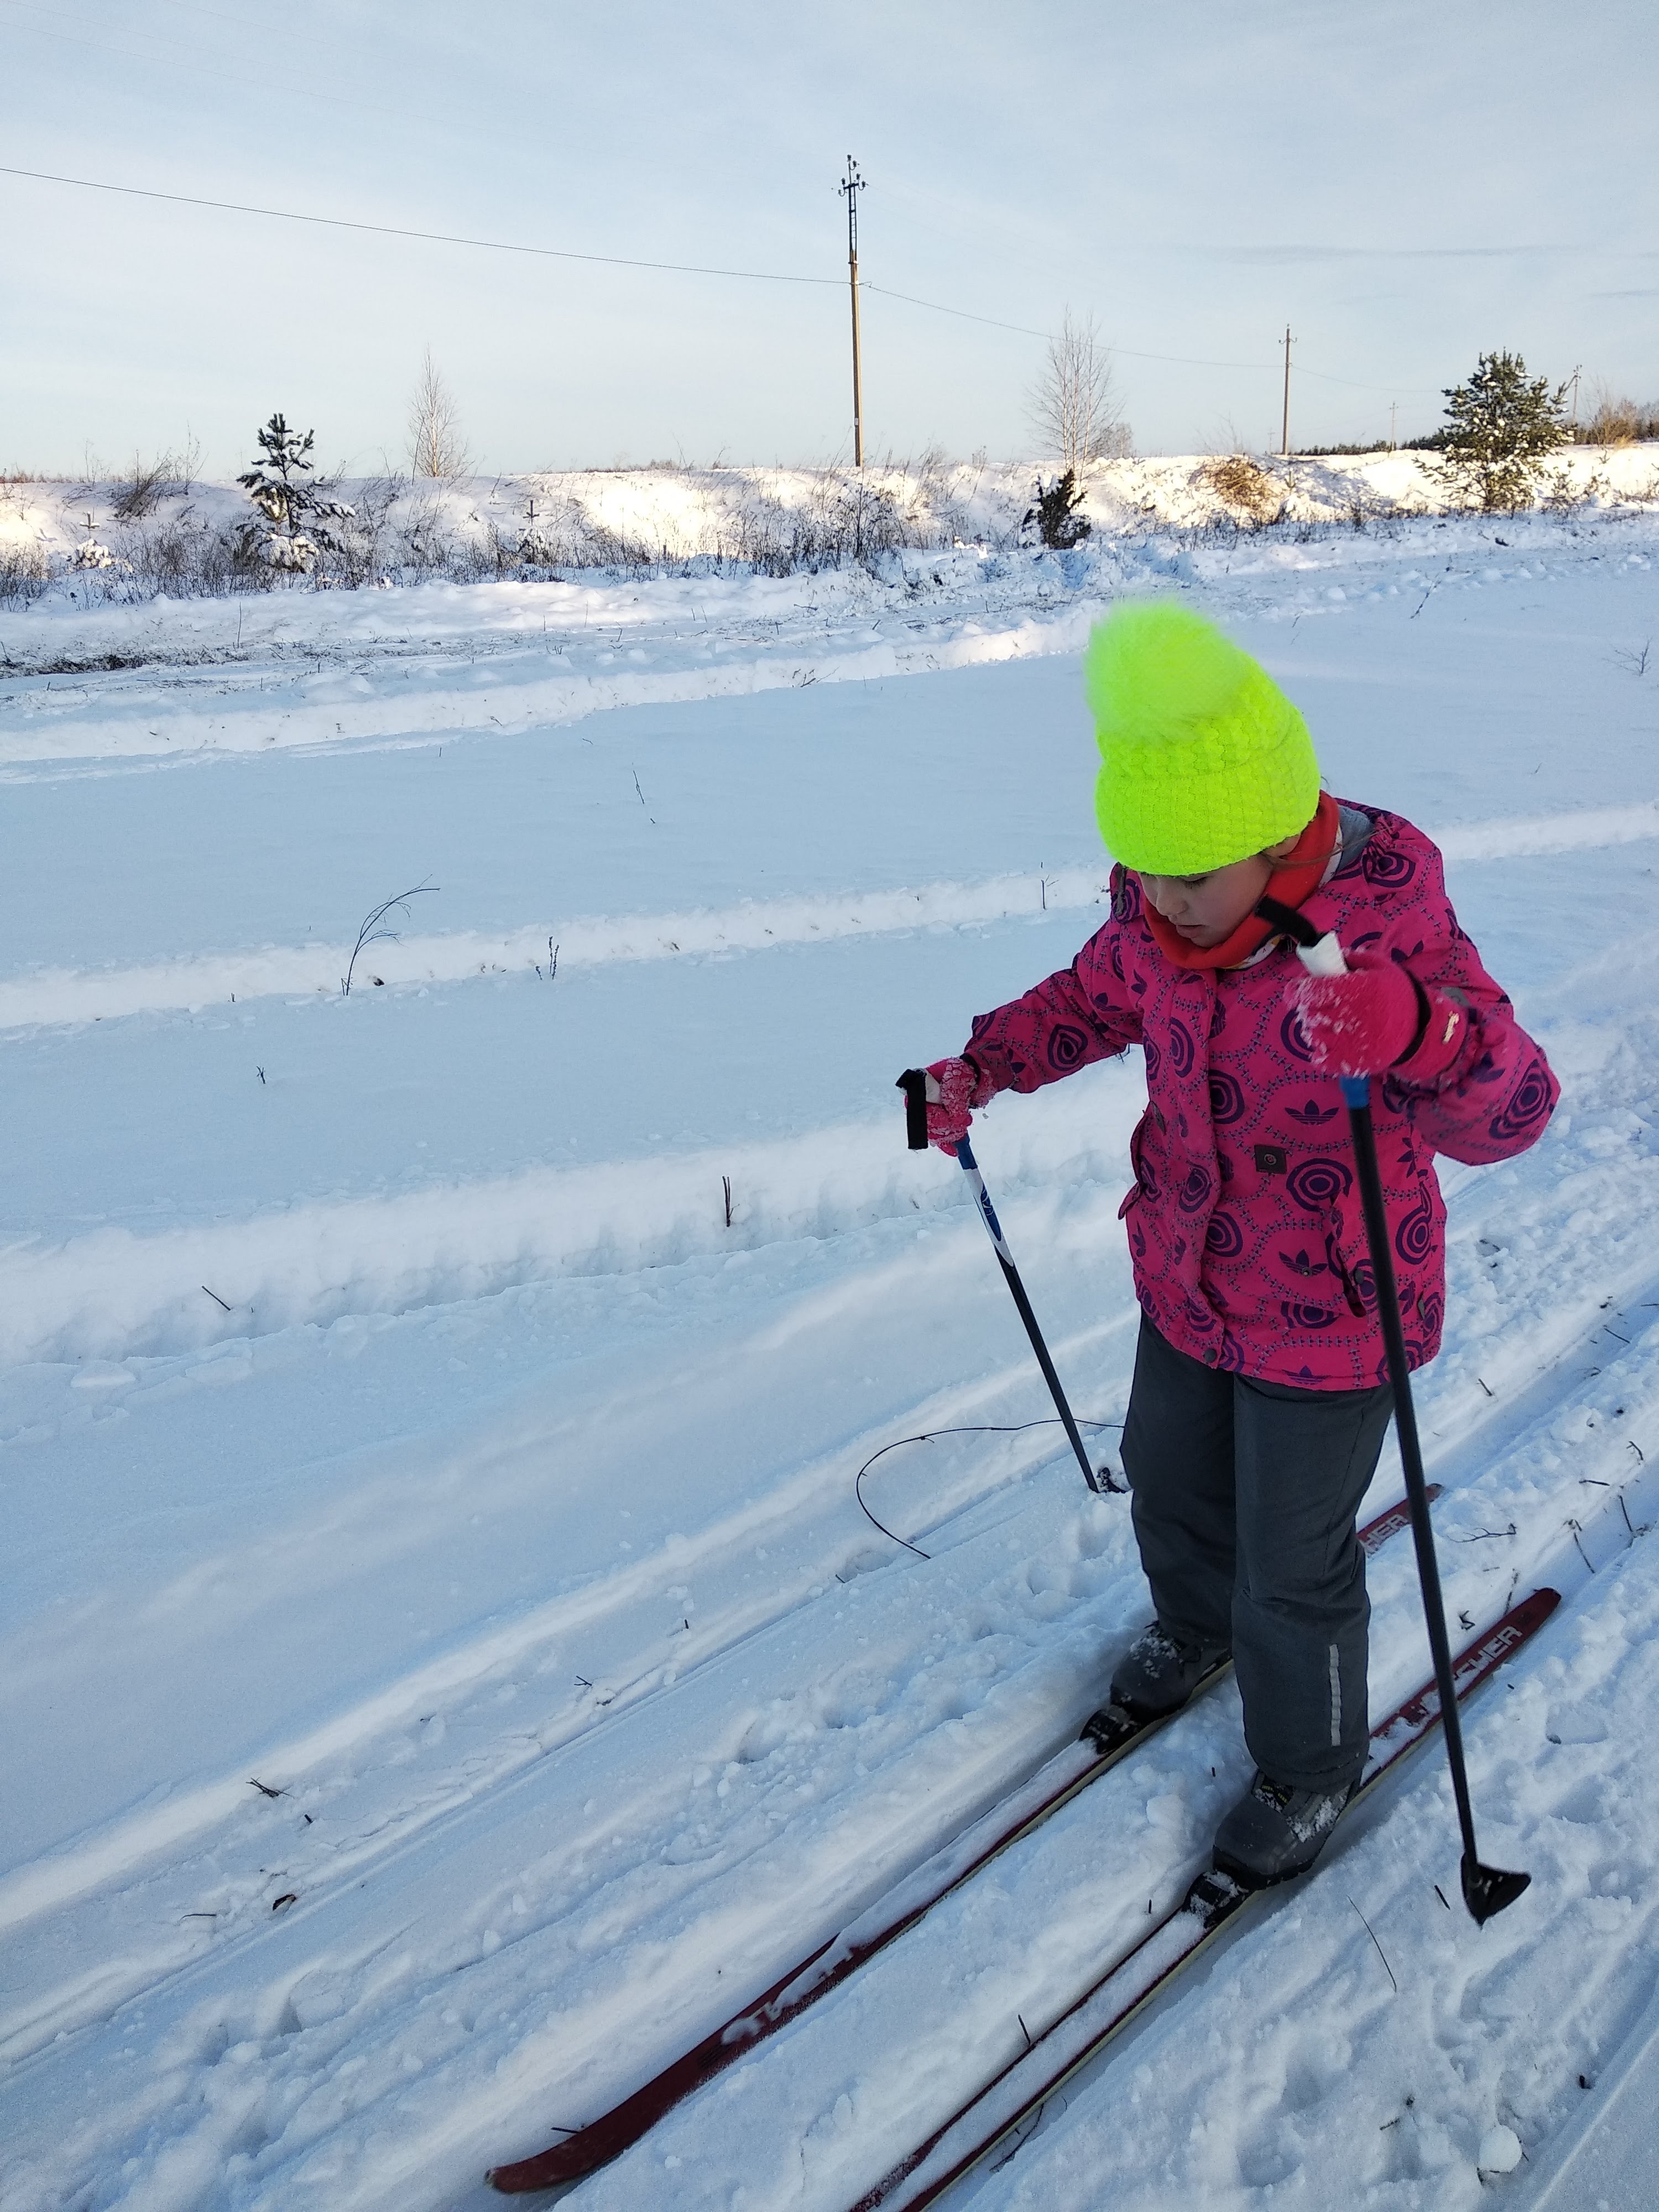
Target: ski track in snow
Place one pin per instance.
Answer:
(604, 1807)
(115, 1292)
(72, 996)
(764, 1755)
(633, 646)
(1020, 1942)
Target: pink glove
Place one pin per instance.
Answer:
(1362, 1023)
(954, 1086)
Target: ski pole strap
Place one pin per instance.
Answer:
(1320, 956)
(913, 1083)
(1287, 920)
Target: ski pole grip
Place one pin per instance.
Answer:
(1320, 956)
(1323, 956)
(913, 1083)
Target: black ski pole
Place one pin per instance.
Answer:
(913, 1083)
(1486, 1890)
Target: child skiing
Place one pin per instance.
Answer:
(1260, 1402)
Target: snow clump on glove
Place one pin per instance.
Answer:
(955, 1087)
(1362, 1023)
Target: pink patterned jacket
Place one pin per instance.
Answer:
(1244, 1222)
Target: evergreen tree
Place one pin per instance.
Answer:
(1500, 426)
(1055, 515)
(295, 512)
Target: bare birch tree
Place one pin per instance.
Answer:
(1073, 406)
(436, 445)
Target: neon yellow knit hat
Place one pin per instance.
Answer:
(1204, 760)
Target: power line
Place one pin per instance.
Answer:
(1354, 385)
(429, 237)
(992, 322)
(1135, 353)
(1131, 353)
(671, 268)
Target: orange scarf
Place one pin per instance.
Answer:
(1293, 879)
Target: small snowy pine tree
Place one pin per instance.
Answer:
(89, 554)
(1500, 427)
(276, 483)
(1058, 523)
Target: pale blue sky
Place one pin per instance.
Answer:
(1405, 183)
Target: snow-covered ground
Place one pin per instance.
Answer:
(444, 1669)
(91, 544)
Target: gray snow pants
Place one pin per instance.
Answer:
(1245, 1497)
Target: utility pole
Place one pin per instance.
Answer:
(1284, 436)
(851, 185)
(1394, 409)
(1576, 372)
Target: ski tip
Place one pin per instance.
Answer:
(546, 2169)
(506, 2179)
(1488, 1890)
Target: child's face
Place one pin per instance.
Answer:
(1207, 909)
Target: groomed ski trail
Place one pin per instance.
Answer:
(1212, 1905)
(918, 2033)
(276, 2063)
(1014, 1816)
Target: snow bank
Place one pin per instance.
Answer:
(113, 1293)
(98, 541)
(597, 649)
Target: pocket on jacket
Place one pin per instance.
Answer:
(1144, 1184)
(1350, 1262)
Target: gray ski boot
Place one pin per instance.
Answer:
(1154, 1678)
(1274, 1833)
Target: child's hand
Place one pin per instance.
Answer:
(954, 1086)
(1362, 1023)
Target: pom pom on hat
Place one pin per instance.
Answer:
(1204, 760)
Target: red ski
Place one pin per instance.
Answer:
(1011, 1818)
(1020, 2089)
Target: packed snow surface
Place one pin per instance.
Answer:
(444, 1668)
